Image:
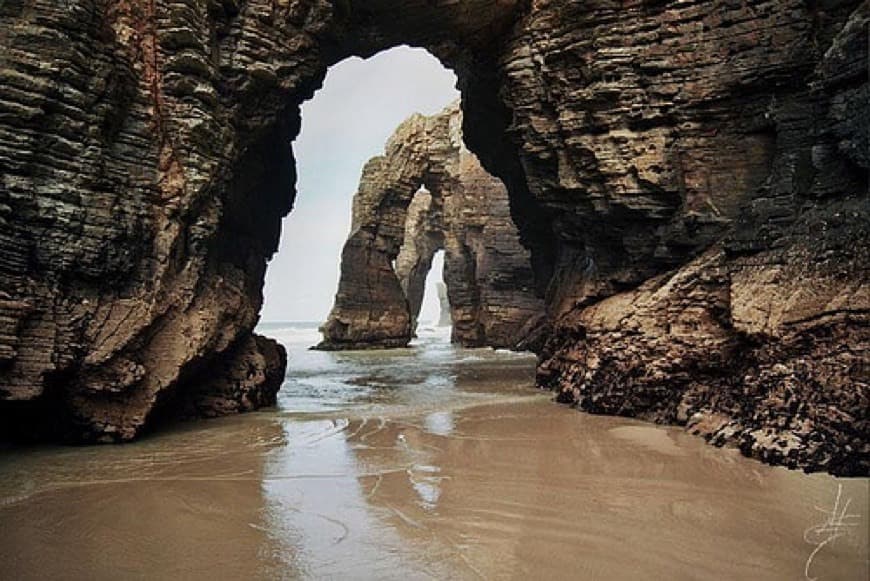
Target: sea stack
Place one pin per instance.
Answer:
(444, 318)
(427, 193)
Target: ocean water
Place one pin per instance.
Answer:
(431, 462)
(430, 374)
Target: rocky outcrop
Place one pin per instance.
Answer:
(761, 341)
(246, 379)
(704, 347)
(397, 228)
(718, 149)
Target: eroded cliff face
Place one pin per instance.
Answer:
(146, 164)
(397, 228)
(742, 129)
(670, 165)
(130, 251)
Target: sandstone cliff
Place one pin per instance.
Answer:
(690, 178)
(397, 228)
(741, 129)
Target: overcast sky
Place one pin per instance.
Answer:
(347, 122)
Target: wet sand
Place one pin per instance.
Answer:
(494, 482)
(519, 490)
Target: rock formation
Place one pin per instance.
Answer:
(746, 142)
(444, 318)
(690, 178)
(461, 209)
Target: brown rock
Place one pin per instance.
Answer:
(461, 209)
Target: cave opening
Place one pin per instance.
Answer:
(347, 122)
(219, 157)
(391, 129)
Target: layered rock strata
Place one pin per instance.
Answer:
(429, 193)
(761, 341)
(662, 159)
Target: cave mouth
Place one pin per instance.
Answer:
(345, 123)
(399, 144)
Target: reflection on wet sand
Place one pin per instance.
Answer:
(184, 504)
(526, 491)
(519, 490)
(439, 463)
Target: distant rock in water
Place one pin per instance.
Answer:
(444, 318)
(397, 228)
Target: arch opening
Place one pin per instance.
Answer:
(435, 307)
(425, 192)
(210, 109)
(343, 125)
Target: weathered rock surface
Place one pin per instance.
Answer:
(460, 209)
(717, 149)
(739, 116)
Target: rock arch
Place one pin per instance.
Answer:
(655, 153)
(397, 229)
(155, 137)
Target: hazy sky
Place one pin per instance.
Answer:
(347, 122)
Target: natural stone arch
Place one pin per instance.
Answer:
(372, 296)
(424, 238)
(181, 178)
(397, 228)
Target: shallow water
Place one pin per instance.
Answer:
(430, 462)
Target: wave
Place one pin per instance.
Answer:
(292, 332)
(276, 325)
